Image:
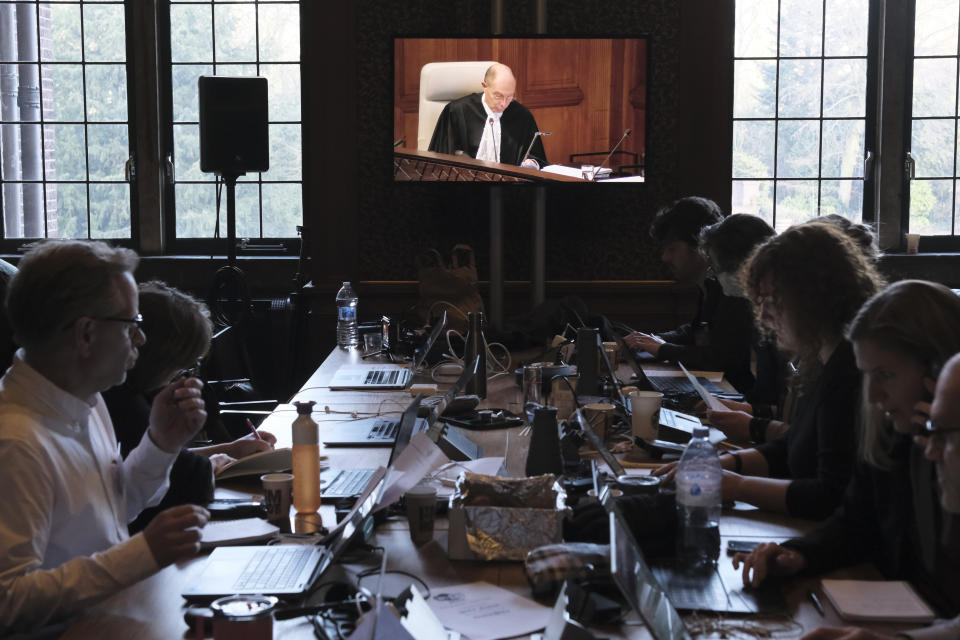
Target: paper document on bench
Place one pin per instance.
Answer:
(419, 458)
(711, 401)
(482, 611)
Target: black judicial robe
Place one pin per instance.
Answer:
(460, 127)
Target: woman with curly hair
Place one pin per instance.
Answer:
(806, 284)
(892, 514)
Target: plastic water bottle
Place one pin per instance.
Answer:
(306, 460)
(347, 335)
(699, 481)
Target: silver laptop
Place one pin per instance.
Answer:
(376, 432)
(386, 375)
(287, 570)
(345, 484)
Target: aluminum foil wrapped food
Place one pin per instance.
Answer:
(504, 518)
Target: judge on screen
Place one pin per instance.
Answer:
(490, 125)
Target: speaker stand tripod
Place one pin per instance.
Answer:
(230, 181)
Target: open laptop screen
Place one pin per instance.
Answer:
(421, 353)
(638, 584)
(615, 467)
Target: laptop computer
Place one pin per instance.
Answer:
(286, 570)
(667, 385)
(718, 589)
(345, 484)
(386, 375)
(374, 432)
(639, 586)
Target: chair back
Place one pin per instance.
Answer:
(441, 82)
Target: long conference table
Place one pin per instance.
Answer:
(152, 609)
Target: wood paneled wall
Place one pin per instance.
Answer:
(585, 91)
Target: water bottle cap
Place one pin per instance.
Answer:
(304, 408)
(701, 431)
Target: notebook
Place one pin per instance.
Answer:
(286, 570)
(877, 600)
(271, 461)
(638, 585)
(386, 375)
(241, 531)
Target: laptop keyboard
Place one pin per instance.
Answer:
(384, 430)
(671, 386)
(349, 482)
(704, 592)
(382, 376)
(274, 568)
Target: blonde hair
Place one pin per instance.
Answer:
(178, 331)
(914, 318)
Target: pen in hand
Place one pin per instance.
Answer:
(253, 429)
(816, 602)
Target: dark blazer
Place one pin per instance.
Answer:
(726, 347)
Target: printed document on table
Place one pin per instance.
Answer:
(708, 398)
(482, 611)
(419, 458)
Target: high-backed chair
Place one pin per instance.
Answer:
(441, 82)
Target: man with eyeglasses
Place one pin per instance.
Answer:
(490, 125)
(940, 437)
(67, 493)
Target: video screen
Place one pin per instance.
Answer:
(520, 109)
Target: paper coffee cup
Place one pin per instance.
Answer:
(645, 406)
(913, 242)
(277, 494)
(421, 508)
(599, 415)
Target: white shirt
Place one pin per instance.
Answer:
(489, 148)
(66, 498)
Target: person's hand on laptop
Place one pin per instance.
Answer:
(729, 488)
(174, 534)
(643, 341)
(768, 559)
